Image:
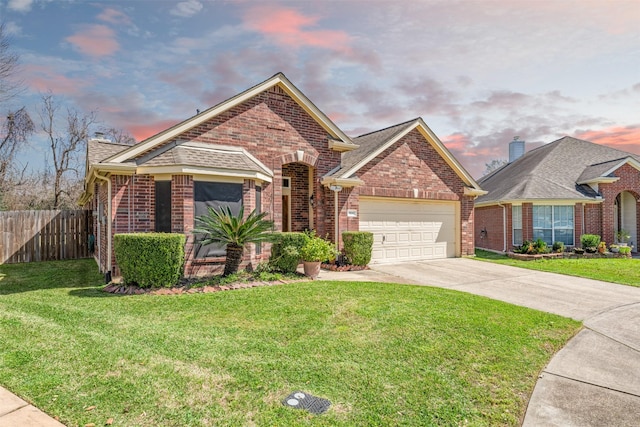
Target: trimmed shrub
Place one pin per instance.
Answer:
(285, 251)
(357, 247)
(533, 247)
(150, 259)
(558, 247)
(590, 241)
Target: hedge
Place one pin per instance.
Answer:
(150, 259)
(357, 247)
(285, 251)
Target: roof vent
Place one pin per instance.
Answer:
(516, 149)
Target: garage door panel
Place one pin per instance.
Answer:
(404, 231)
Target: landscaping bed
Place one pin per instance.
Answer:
(569, 255)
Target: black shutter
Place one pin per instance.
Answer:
(163, 206)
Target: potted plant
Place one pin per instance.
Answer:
(313, 253)
(614, 248)
(590, 242)
(623, 237)
(602, 247)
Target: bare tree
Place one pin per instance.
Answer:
(494, 165)
(13, 136)
(67, 138)
(16, 127)
(119, 136)
(10, 85)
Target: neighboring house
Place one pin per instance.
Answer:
(558, 192)
(270, 148)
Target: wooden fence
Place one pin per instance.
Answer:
(29, 236)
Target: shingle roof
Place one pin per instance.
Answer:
(369, 143)
(552, 172)
(203, 155)
(98, 150)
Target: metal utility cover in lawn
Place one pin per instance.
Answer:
(302, 400)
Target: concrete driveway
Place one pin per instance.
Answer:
(595, 379)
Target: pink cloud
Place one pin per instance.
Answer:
(143, 131)
(287, 27)
(40, 78)
(95, 40)
(113, 16)
(625, 138)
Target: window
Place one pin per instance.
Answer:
(563, 224)
(214, 195)
(516, 223)
(163, 206)
(553, 224)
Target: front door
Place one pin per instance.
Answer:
(286, 204)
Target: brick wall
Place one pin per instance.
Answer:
(489, 230)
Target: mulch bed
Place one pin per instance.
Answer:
(335, 267)
(119, 288)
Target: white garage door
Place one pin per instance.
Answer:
(409, 230)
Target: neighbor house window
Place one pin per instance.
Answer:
(553, 224)
(516, 222)
(214, 195)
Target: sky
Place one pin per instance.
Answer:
(478, 72)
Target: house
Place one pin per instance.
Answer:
(270, 148)
(558, 192)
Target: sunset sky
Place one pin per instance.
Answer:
(479, 72)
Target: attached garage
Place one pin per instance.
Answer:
(410, 230)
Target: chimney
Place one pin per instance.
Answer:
(516, 149)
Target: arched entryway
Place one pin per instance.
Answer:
(626, 215)
(297, 201)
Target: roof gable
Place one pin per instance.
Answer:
(279, 79)
(373, 144)
(603, 172)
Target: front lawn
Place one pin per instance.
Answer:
(383, 354)
(624, 271)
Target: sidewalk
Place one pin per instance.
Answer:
(15, 412)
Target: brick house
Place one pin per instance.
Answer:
(558, 192)
(270, 148)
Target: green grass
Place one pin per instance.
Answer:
(625, 271)
(383, 354)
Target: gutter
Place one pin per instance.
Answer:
(108, 181)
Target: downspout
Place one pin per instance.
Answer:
(504, 227)
(337, 219)
(108, 181)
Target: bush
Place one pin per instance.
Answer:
(625, 250)
(285, 251)
(317, 249)
(357, 247)
(533, 247)
(558, 247)
(590, 241)
(150, 259)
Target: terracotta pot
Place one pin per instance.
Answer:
(311, 268)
